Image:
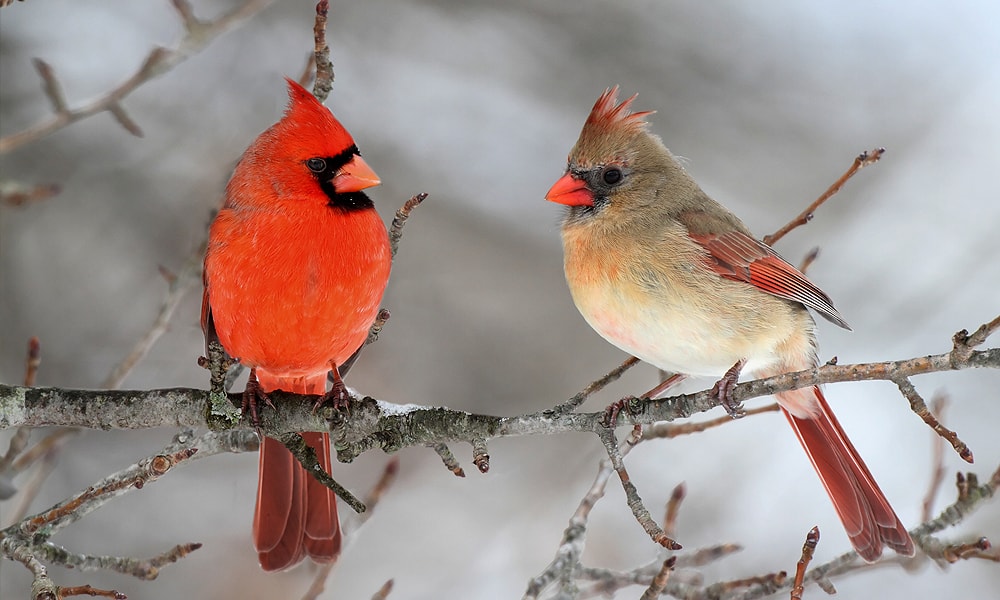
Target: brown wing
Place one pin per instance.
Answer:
(739, 257)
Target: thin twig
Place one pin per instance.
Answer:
(306, 456)
(918, 406)
(671, 430)
(88, 590)
(372, 499)
(13, 193)
(564, 567)
(862, 160)
(384, 591)
(659, 583)
(639, 510)
(321, 54)
(178, 285)
(673, 508)
(594, 387)
(938, 405)
(398, 221)
(156, 63)
(808, 548)
(449, 460)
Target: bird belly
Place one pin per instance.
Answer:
(674, 331)
(292, 295)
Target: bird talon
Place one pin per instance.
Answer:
(723, 391)
(611, 413)
(252, 396)
(337, 395)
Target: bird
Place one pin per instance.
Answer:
(295, 270)
(664, 272)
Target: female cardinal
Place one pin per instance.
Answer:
(296, 266)
(667, 274)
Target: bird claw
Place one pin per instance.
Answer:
(723, 390)
(610, 418)
(337, 395)
(252, 396)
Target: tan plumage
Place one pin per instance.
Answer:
(672, 277)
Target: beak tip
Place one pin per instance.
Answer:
(570, 191)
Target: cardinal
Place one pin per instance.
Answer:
(296, 266)
(672, 277)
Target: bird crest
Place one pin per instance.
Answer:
(611, 116)
(308, 121)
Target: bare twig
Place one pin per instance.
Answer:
(87, 590)
(384, 591)
(808, 548)
(372, 499)
(659, 583)
(639, 510)
(809, 259)
(564, 567)
(862, 160)
(938, 405)
(145, 569)
(321, 54)
(160, 60)
(918, 406)
(594, 387)
(671, 430)
(13, 193)
(673, 508)
(449, 460)
(398, 221)
(306, 456)
(178, 285)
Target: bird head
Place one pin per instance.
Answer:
(306, 156)
(616, 165)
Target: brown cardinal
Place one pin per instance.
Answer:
(672, 277)
(296, 266)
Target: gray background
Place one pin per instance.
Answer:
(478, 103)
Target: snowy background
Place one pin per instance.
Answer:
(478, 103)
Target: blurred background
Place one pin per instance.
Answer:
(478, 104)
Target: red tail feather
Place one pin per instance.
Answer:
(862, 507)
(296, 516)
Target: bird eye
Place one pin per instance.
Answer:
(316, 165)
(612, 175)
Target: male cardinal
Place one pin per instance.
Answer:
(296, 266)
(672, 277)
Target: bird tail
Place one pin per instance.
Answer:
(296, 515)
(862, 507)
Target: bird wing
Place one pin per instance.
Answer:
(739, 257)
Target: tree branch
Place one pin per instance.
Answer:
(160, 60)
(375, 423)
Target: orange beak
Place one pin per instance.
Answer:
(570, 191)
(355, 176)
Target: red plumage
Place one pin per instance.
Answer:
(296, 267)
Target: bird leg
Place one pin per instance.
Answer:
(337, 394)
(252, 396)
(615, 408)
(723, 390)
(664, 385)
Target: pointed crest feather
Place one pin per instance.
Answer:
(608, 115)
(306, 114)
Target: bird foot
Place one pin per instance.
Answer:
(337, 396)
(610, 418)
(723, 390)
(253, 395)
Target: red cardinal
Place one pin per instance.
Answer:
(667, 274)
(296, 266)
